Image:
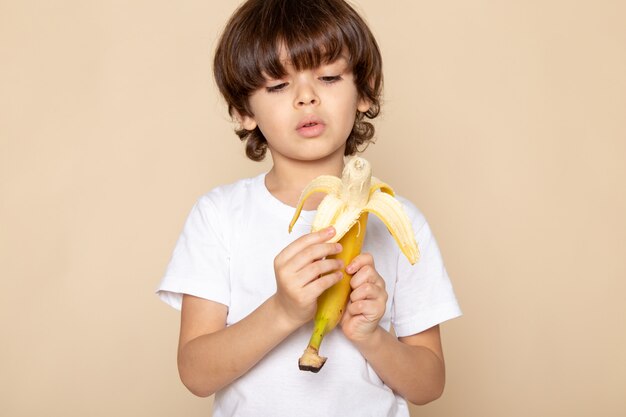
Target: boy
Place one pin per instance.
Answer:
(300, 77)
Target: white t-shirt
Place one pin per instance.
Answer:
(226, 254)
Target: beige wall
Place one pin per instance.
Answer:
(504, 121)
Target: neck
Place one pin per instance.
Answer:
(287, 178)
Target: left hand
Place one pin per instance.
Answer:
(368, 299)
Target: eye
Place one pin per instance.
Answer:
(276, 88)
(330, 79)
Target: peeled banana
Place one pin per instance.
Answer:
(346, 206)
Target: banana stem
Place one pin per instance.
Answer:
(319, 331)
(311, 360)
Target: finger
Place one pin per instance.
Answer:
(323, 266)
(312, 254)
(368, 291)
(367, 274)
(303, 242)
(367, 308)
(359, 262)
(321, 284)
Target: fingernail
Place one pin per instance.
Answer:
(330, 230)
(338, 247)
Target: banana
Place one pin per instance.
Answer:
(346, 206)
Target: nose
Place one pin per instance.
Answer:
(306, 95)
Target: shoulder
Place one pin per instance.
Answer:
(217, 213)
(227, 196)
(224, 205)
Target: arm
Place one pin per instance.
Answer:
(211, 355)
(412, 366)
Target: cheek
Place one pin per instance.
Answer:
(273, 126)
(348, 113)
(348, 104)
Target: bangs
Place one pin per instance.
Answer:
(302, 51)
(309, 33)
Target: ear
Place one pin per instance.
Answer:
(247, 122)
(363, 105)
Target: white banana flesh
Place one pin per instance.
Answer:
(357, 192)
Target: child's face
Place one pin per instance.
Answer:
(307, 115)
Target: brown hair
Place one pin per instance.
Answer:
(314, 32)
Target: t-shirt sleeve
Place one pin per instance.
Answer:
(200, 262)
(424, 296)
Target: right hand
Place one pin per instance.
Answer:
(303, 274)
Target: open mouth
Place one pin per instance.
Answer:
(309, 123)
(311, 128)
